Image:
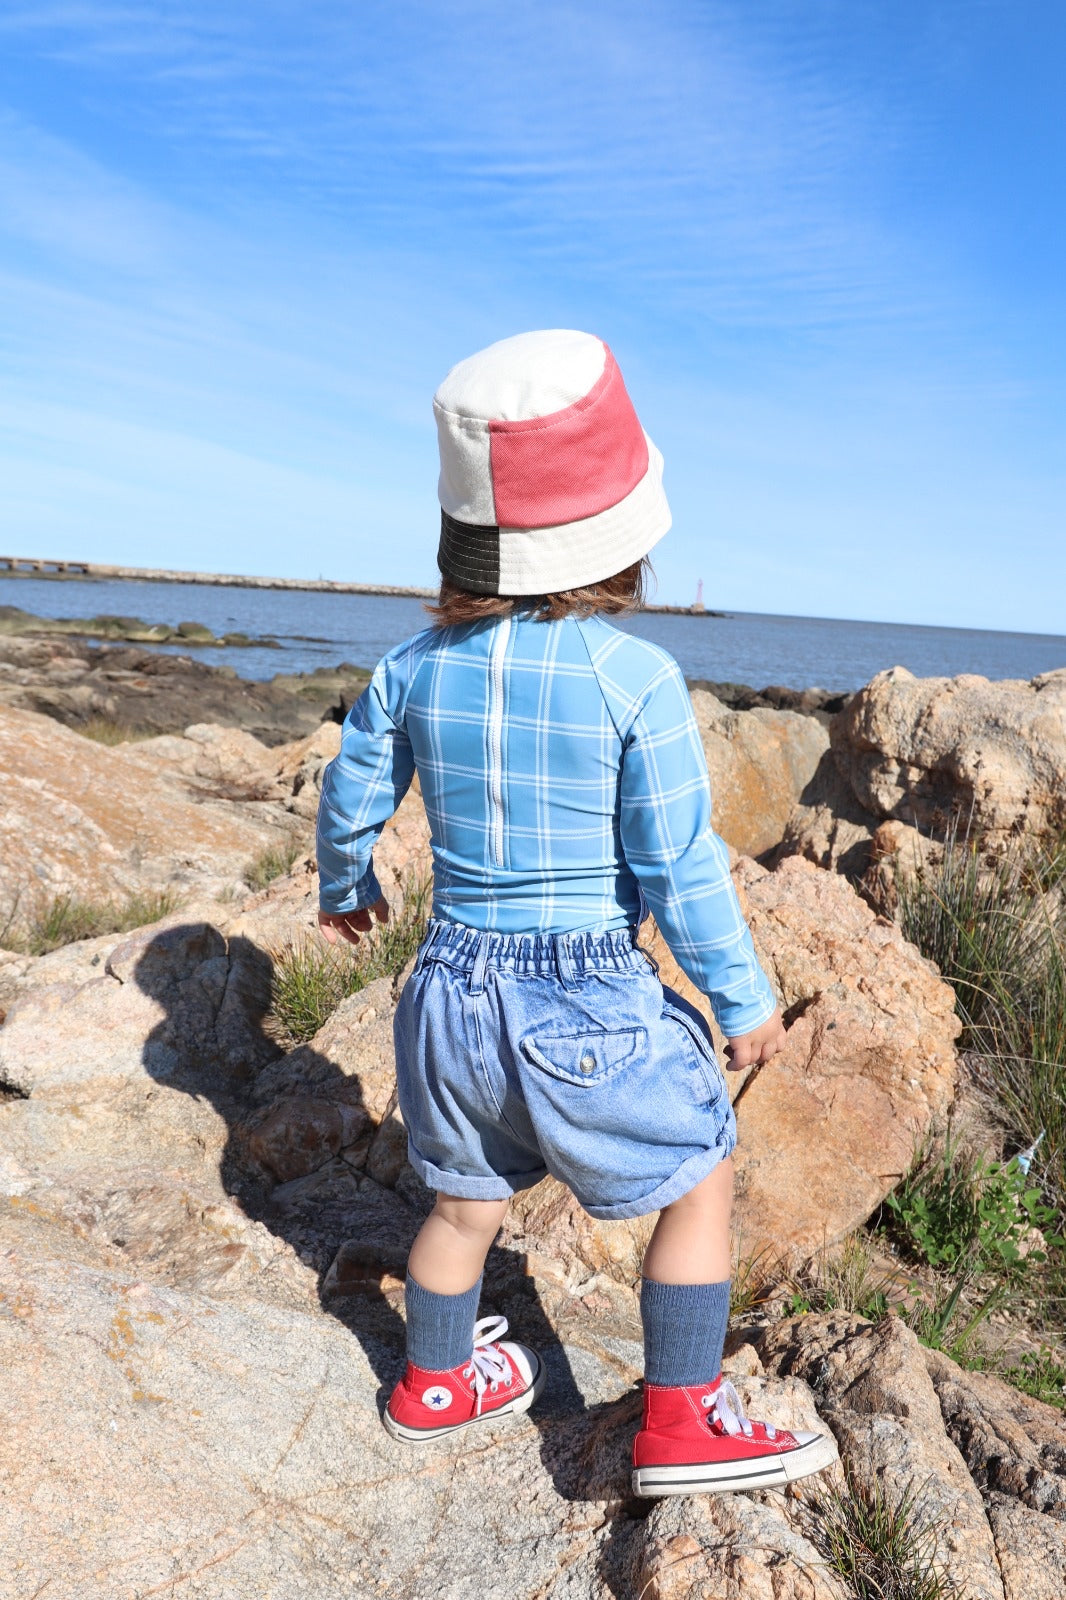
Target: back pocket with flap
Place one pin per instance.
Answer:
(585, 1058)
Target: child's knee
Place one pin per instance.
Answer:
(472, 1217)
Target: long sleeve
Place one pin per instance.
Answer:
(361, 789)
(680, 863)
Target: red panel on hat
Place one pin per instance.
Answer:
(571, 464)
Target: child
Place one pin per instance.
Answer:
(566, 791)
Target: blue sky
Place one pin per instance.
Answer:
(240, 244)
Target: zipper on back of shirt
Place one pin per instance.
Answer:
(499, 651)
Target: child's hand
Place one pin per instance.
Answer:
(752, 1049)
(350, 924)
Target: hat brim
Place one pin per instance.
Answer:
(571, 555)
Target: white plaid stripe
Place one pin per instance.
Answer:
(604, 794)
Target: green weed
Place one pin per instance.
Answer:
(312, 978)
(953, 1211)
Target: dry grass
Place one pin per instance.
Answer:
(271, 864)
(67, 918)
(102, 730)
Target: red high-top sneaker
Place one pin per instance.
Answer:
(698, 1441)
(497, 1380)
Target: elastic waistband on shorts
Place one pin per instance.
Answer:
(532, 955)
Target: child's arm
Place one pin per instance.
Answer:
(361, 789)
(683, 868)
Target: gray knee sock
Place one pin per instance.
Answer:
(684, 1331)
(440, 1327)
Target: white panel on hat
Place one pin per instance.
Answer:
(546, 560)
(465, 484)
(531, 375)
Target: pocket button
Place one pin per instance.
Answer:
(587, 1064)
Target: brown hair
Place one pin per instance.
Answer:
(614, 596)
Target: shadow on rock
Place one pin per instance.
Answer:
(314, 1153)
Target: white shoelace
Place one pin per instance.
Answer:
(488, 1367)
(729, 1409)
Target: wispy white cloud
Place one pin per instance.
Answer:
(670, 143)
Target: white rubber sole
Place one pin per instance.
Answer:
(512, 1408)
(772, 1472)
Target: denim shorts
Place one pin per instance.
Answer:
(519, 1055)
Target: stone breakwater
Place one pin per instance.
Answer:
(38, 567)
(203, 1233)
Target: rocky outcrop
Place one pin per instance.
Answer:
(760, 761)
(147, 693)
(226, 1444)
(202, 1247)
(17, 623)
(924, 752)
(78, 817)
(905, 1417)
(203, 1239)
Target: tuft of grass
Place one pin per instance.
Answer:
(845, 1280)
(995, 924)
(755, 1277)
(312, 978)
(884, 1545)
(67, 918)
(103, 730)
(272, 863)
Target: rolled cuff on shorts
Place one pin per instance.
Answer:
(684, 1178)
(497, 1187)
(681, 1181)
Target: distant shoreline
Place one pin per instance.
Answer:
(31, 567)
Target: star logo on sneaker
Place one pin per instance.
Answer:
(437, 1398)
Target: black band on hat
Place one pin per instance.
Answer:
(469, 554)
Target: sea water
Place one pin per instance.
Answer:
(312, 629)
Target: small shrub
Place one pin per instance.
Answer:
(883, 1545)
(66, 919)
(312, 978)
(272, 863)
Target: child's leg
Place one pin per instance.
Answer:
(444, 1279)
(695, 1437)
(684, 1300)
(459, 1370)
(691, 1239)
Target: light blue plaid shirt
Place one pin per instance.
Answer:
(564, 781)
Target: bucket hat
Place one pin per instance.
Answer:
(547, 479)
